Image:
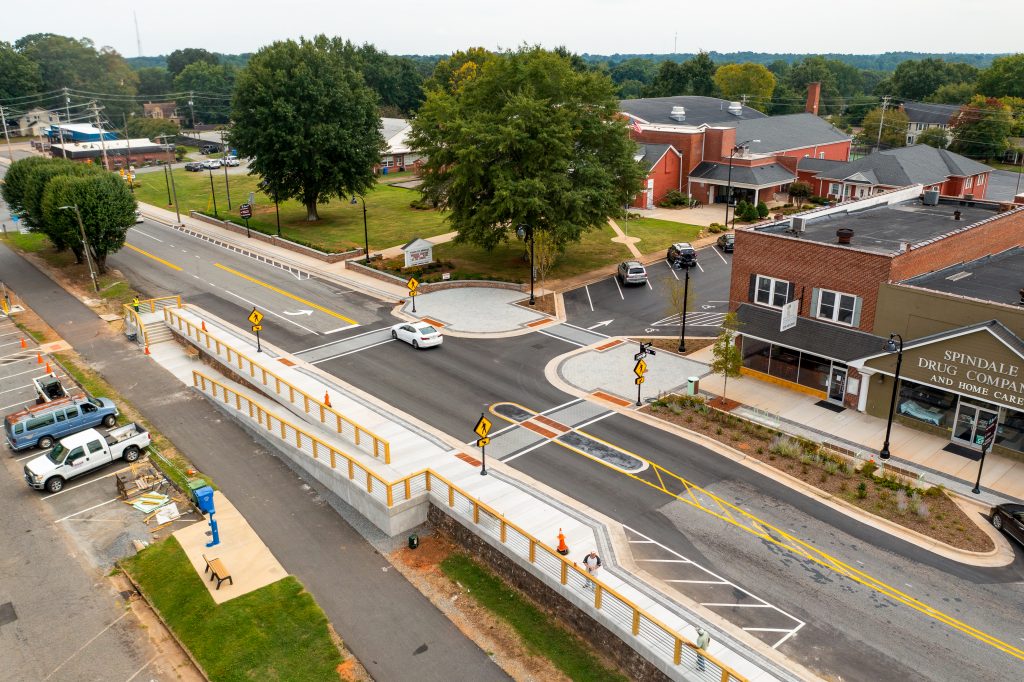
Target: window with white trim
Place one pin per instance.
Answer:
(981, 180)
(821, 155)
(835, 306)
(833, 188)
(771, 292)
(969, 183)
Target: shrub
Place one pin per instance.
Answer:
(714, 229)
(762, 209)
(901, 501)
(934, 491)
(862, 490)
(713, 225)
(914, 502)
(784, 446)
(718, 431)
(831, 467)
(869, 469)
(760, 450)
(674, 199)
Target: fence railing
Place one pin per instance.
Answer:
(311, 405)
(133, 324)
(629, 618)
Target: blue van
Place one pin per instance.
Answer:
(42, 425)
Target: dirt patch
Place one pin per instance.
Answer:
(544, 304)
(723, 404)
(421, 567)
(671, 344)
(931, 512)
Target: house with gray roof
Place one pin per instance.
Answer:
(925, 115)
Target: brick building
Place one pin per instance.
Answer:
(710, 134)
(826, 269)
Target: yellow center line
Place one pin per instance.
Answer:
(746, 521)
(285, 293)
(158, 259)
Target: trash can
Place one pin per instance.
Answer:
(204, 499)
(693, 386)
(414, 541)
(384, 170)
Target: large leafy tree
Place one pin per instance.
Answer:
(209, 85)
(893, 124)
(981, 128)
(19, 75)
(529, 140)
(179, 59)
(934, 137)
(753, 80)
(395, 79)
(154, 81)
(953, 93)
(15, 184)
(304, 113)
(671, 78)
(141, 126)
(107, 208)
(916, 79)
(1004, 77)
(700, 71)
(451, 72)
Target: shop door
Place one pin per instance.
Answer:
(837, 384)
(971, 420)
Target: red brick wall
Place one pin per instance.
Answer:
(666, 178)
(835, 151)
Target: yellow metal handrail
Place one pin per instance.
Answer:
(149, 305)
(282, 387)
(385, 491)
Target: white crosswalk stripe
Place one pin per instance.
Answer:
(694, 319)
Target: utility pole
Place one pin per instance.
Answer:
(103, 143)
(881, 122)
(7, 135)
(128, 157)
(67, 115)
(193, 110)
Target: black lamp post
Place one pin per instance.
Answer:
(525, 232)
(893, 345)
(366, 234)
(213, 194)
(686, 297)
(728, 191)
(170, 173)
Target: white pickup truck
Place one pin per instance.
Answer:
(83, 452)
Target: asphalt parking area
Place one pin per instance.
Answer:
(614, 309)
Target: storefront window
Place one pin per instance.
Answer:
(924, 403)
(785, 363)
(814, 371)
(1010, 433)
(755, 354)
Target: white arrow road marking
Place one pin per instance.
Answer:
(604, 323)
(300, 312)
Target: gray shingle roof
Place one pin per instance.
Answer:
(820, 338)
(778, 133)
(699, 110)
(760, 176)
(811, 163)
(650, 154)
(908, 165)
(927, 112)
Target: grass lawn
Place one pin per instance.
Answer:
(1014, 167)
(506, 262)
(658, 235)
(390, 220)
(537, 630)
(275, 633)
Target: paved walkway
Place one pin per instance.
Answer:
(476, 310)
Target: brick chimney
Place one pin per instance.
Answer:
(813, 98)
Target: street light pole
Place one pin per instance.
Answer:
(85, 245)
(893, 347)
(213, 194)
(227, 185)
(524, 232)
(686, 297)
(170, 172)
(366, 233)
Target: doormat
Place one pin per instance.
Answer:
(963, 451)
(830, 406)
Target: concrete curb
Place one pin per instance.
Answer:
(1001, 555)
(398, 312)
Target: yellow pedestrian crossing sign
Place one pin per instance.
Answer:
(640, 369)
(255, 317)
(482, 427)
(412, 284)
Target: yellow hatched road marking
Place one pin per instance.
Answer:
(285, 293)
(158, 259)
(746, 521)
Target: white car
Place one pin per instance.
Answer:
(139, 218)
(211, 163)
(417, 334)
(229, 161)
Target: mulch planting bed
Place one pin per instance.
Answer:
(928, 511)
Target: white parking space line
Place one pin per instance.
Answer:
(30, 371)
(648, 283)
(619, 288)
(11, 333)
(17, 388)
(703, 582)
(81, 648)
(719, 255)
(95, 506)
(138, 231)
(254, 305)
(672, 270)
(10, 343)
(80, 485)
(144, 666)
(7, 407)
(34, 454)
(699, 267)
(589, 300)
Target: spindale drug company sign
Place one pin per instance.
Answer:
(985, 377)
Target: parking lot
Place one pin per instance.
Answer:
(60, 619)
(613, 309)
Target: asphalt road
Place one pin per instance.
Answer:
(1003, 185)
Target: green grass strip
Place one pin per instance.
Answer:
(274, 633)
(540, 635)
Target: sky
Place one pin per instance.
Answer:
(584, 26)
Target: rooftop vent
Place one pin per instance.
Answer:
(799, 225)
(931, 197)
(844, 235)
(678, 114)
(735, 108)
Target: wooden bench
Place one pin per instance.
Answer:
(217, 571)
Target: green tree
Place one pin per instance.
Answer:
(528, 141)
(395, 79)
(141, 126)
(31, 179)
(981, 128)
(1004, 77)
(154, 82)
(15, 185)
(953, 93)
(753, 80)
(671, 79)
(700, 72)
(916, 79)
(727, 360)
(210, 85)
(799, 191)
(814, 69)
(107, 208)
(893, 124)
(633, 69)
(326, 131)
(19, 75)
(451, 72)
(934, 137)
(179, 59)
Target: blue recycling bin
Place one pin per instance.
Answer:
(204, 499)
(384, 170)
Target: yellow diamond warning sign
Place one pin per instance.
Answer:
(255, 317)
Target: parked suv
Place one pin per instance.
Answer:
(41, 425)
(229, 161)
(211, 163)
(194, 166)
(632, 272)
(681, 255)
(727, 242)
(208, 148)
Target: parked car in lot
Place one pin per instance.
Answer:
(632, 272)
(211, 163)
(194, 166)
(417, 334)
(229, 161)
(1009, 518)
(681, 255)
(41, 425)
(209, 149)
(83, 452)
(726, 242)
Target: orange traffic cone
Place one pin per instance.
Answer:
(48, 370)
(147, 349)
(23, 344)
(204, 325)
(327, 399)
(39, 358)
(563, 548)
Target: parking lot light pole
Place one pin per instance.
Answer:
(213, 194)
(686, 297)
(893, 345)
(366, 233)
